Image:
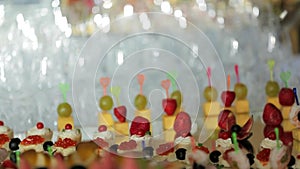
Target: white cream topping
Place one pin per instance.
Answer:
(36, 131)
(182, 140)
(146, 138)
(240, 159)
(270, 144)
(105, 135)
(3, 129)
(69, 134)
(226, 144)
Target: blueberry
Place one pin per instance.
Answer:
(47, 144)
(180, 154)
(298, 116)
(114, 148)
(148, 151)
(198, 166)
(251, 158)
(78, 167)
(214, 156)
(14, 144)
(292, 161)
(247, 145)
(236, 128)
(13, 157)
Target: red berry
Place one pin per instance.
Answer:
(169, 106)
(272, 115)
(286, 97)
(227, 97)
(68, 126)
(1, 123)
(102, 128)
(224, 135)
(39, 125)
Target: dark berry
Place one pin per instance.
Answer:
(13, 157)
(114, 148)
(214, 156)
(298, 116)
(236, 128)
(148, 151)
(198, 166)
(292, 161)
(47, 144)
(247, 145)
(78, 167)
(180, 154)
(251, 158)
(14, 144)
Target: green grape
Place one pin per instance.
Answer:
(272, 88)
(64, 109)
(106, 103)
(177, 96)
(140, 102)
(210, 94)
(241, 91)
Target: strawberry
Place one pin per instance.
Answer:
(120, 112)
(264, 155)
(227, 98)
(226, 120)
(286, 97)
(286, 138)
(139, 126)
(182, 124)
(269, 131)
(272, 115)
(224, 134)
(9, 164)
(169, 106)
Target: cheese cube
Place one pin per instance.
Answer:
(169, 135)
(122, 128)
(287, 125)
(168, 121)
(211, 108)
(285, 110)
(275, 101)
(241, 119)
(242, 106)
(105, 118)
(296, 146)
(296, 134)
(62, 121)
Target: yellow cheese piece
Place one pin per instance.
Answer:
(105, 118)
(296, 146)
(242, 106)
(211, 108)
(275, 101)
(169, 135)
(296, 134)
(168, 121)
(211, 123)
(285, 110)
(241, 119)
(287, 125)
(122, 128)
(62, 121)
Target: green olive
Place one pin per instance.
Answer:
(210, 93)
(64, 109)
(177, 96)
(241, 91)
(272, 88)
(106, 103)
(140, 102)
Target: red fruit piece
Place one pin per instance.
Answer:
(269, 131)
(245, 131)
(1, 123)
(264, 155)
(226, 120)
(227, 98)
(165, 149)
(182, 124)
(286, 138)
(286, 97)
(102, 128)
(40, 125)
(139, 126)
(8, 164)
(272, 115)
(225, 155)
(68, 126)
(120, 112)
(224, 134)
(169, 106)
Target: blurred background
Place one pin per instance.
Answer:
(41, 40)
